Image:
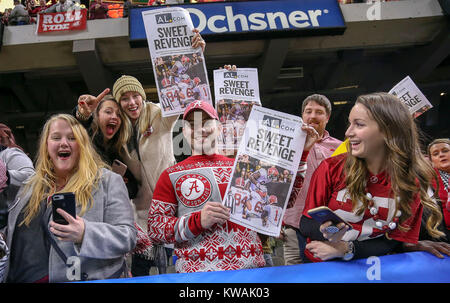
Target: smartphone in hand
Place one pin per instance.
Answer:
(65, 201)
(323, 214)
(118, 167)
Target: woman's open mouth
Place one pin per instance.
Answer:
(133, 109)
(111, 129)
(64, 155)
(354, 144)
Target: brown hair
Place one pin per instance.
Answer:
(8, 137)
(319, 99)
(120, 139)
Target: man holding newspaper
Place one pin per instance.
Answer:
(187, 210)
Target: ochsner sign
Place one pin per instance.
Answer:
(255, 16)
(232, 20)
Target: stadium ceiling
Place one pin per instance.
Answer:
(38, 79)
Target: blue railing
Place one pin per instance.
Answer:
(416, 267)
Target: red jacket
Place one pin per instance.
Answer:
(100, 13)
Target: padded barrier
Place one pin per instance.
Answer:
(415, 267)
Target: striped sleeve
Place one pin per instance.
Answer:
(298, 183)
(163, 224)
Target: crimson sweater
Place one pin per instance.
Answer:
(328, 188)
(174, 217)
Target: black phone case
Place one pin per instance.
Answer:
(66, 201)
(324, 216)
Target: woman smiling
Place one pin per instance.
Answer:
(101, 233)
(380, 187)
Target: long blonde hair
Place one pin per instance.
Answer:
(410, 173)
(84, 179)
(141, 125)
(145, 118)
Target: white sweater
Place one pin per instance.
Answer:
(156, 154)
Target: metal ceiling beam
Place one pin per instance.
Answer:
(69, 99)
(340, 71)
(40, 89)
(434, 54)
(21, 91)
(16, 83)
(271, 63)
(417, 62)
(95, 75)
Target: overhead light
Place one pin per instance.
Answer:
(340, 102)
(290, 73)
(442, 94)
(347, 87)
(150, 90)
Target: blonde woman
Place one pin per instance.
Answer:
(102, 232)
(380, 186)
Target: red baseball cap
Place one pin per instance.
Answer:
(202, 105)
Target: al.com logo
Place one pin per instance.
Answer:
(167, 18)
(228, 75)
(233, 75)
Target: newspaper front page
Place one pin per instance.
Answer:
(180, 70)
(235, 94)
(265, 169)
(408, 92)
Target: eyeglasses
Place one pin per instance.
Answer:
(197, 123)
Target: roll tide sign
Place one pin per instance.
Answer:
(255, 18)
(62, 21)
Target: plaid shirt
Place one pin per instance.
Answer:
(444, 176)
(3, 176)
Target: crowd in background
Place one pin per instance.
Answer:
(25, 11)
(131, 220)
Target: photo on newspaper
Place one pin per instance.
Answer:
(233, 115)
(236, 92)
(408, 92)
(265, 169)
(258, 192)
(179, 69)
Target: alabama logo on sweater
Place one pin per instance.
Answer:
(193, 189)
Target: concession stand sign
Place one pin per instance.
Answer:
(63, 21)
(221, 21)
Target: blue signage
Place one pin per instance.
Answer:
(247, 17)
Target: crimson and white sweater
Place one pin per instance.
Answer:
(174, 217)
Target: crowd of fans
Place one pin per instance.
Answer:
(25, 11)
(368, 184)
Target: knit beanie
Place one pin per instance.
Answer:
(127, 84)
